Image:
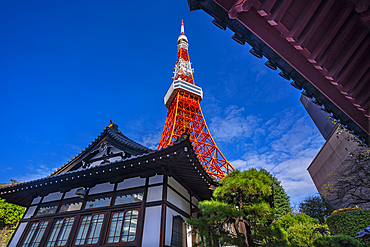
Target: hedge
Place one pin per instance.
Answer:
(349, 222)
(336, 241)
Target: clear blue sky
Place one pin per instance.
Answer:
(67, 67)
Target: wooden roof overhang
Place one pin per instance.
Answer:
(322, 46)
(178, 160)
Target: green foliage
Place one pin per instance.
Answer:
(214, 215)
(301, 234)
(9, 213)
(289, 220)
(241, 200)
(314, 207)
(281, 198)
(249, 192)
(349, 222)
(336, 241)
(271, 236)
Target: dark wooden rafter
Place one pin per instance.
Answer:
(302, 21)
(325, 41)
(313, 25)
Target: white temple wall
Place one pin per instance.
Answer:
(178, 187)
(154, 193)
(52, 197)
(18, 234)
(156, 179)
(152, 226)
(30, 212)
(101, 188)
(131, 183)
(178, 201)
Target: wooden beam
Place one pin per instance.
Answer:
(334, 47)
(347, 53)
(275, 18)
(333, 29)
(302, 21)
(272, 37)
(316, 21)
(266, 7)
(352, 63)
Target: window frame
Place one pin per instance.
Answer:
(110, 222)
(79, 225)
(52, 228)
(27, 230)
(182, 231)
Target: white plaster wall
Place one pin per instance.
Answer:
(156, 179)
(131, 183)
(178, 201)
(30, 212)
(169, 220)
(36, 200)
(71, 193)
(52, 197)
(152, 226)
(101, 188)
(18, 234)
(177, 186)
(194, 201)
(154, 193)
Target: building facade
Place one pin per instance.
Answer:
(114, 193)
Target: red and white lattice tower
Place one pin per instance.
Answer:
(185, 115)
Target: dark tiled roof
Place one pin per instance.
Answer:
(178, 160)
(113, 131)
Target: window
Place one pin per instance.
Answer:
(123, 227)
(35, 234)
(90, 228)
(178, 232)
(98, 202)
(60, 233)
(129, 197)
(71, 206)
(47, 209)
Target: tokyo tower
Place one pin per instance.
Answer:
(185, 115)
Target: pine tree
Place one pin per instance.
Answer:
(281, 198)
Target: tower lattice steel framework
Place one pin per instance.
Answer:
(185, 115)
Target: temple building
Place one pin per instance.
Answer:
(117, 192)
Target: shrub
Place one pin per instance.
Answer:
(344, 209)
(336, 241)
(301, 234)
(349, 222)
(290, 219)
(10, 214)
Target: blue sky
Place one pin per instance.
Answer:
(67, 67)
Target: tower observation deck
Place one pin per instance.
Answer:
(185, 115)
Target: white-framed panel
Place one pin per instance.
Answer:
(178, 201)
(52, 197)
(71, 193)
(36, 200)
(194, 201)
(18, 234)
(156, 179)
(152, 226)
(131, 183)
(101, 188)
(154, 193)
(30, 212)
(177, 186)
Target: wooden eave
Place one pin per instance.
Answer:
(178, 160)
(322, 46)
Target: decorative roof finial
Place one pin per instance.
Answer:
(182, 27)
